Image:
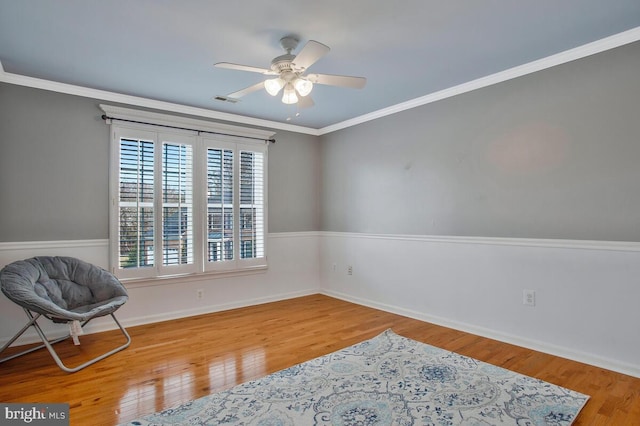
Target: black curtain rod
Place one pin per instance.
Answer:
(105, 118)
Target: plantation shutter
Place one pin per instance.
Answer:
(155, 197)
(236, 205)
(220, 205)
(177, 206)
(136, 198)
(186, 201)
(252, 205)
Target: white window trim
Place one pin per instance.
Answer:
(234, 136)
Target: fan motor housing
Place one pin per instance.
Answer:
(282, 63)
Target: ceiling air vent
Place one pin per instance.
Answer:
(226, 99)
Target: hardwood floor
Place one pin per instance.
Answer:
(171, 362)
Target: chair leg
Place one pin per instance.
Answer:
(49, 344)
(18, 334)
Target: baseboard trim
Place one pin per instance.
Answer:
(185, 313)
(609, 364)
(30, 336)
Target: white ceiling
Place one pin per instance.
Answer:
(165, 50)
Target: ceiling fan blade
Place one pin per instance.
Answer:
(305, 101)
(246, 91)
(310, 53)
(338, 80)
(239, 67)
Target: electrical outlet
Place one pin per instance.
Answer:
(199, 293)
(334, 267)
(529, 297)
(349, 270)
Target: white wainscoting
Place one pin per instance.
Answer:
(292, 272)
(587, 292)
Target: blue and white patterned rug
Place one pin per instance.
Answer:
(387, 380)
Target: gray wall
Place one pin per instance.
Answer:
(54, 170)
(53, 166)
(555, 154)
(294, 183)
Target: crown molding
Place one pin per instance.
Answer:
(583, 51)
(104, 95)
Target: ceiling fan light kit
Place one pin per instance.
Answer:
(302, 86)
(290, 70)
(273, 86)
(289, 97)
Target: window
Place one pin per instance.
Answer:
(235, 182)
(185, 203)
(135, 203)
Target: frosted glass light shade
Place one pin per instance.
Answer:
(273, 86)
(289, 96)
(303, 86)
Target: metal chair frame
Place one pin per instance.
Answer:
(46, 343)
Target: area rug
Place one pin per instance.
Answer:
(387, 380)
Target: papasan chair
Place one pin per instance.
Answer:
(64, 290)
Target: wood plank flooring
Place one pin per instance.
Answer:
(172, 362)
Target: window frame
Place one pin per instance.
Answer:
(200, 142)
(238, 262)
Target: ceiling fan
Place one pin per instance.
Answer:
(289, 70)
